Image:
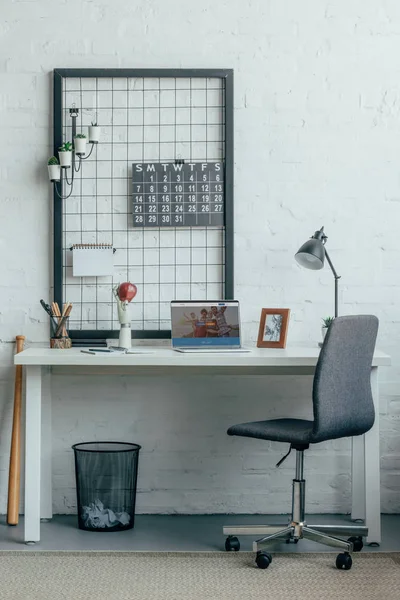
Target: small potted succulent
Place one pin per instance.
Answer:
(65, 154)
(94, 133)
(80, 143)
(54, 169)
(327, 322)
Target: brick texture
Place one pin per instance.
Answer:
(317, 141)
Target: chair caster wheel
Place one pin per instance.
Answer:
(357, 543)
(263, 559)
(292, 540)
(344, 561)
(232, 543)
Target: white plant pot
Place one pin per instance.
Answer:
(80, 145)
(65, 158)
(54, 172)
(323, 331)
(94, 134)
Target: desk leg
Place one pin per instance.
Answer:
(357, 478)
(46, 502)
(32, 453)
(372, 470)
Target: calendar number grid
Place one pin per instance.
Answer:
(171, 195)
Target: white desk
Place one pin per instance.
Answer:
(38, 502)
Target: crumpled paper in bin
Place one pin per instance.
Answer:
(98, 517)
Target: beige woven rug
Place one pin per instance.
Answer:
(194, 576)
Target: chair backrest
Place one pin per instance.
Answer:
(342, 397)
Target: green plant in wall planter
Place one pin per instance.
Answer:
(53, 168)
(327, 322)
(94, 133)
(80, 143)
(65, 155)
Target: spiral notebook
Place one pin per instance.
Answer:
(92, 260)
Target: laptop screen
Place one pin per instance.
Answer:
(212, 323)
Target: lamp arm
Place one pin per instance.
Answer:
(337, 277)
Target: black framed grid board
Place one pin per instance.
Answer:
(165, 154)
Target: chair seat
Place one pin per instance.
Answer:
(292, 431)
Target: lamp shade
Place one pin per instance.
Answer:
(311, 255)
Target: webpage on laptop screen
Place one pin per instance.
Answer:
(212, 324)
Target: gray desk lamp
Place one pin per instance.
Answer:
(312, 254)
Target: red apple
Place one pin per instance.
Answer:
(127, 291)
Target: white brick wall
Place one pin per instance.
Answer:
(317, 116)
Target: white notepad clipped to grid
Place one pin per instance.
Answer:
(92, 260)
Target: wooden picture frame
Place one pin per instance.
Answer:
(273, 334)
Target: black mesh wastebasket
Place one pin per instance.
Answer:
(106, 475)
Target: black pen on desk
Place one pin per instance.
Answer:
(96, 350)
(100, 350)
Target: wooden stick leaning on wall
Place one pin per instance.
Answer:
(14, 475)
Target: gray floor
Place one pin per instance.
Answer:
(176, 533)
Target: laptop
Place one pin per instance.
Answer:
(206, 326)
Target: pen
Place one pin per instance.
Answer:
(47, 308)
(88, 352)
(100, 350)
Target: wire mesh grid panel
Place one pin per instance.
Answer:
(143, 119)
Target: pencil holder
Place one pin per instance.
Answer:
(59, 335)
(61, 343)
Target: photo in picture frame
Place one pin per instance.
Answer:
(273, 328)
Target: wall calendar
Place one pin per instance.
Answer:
(178, 194)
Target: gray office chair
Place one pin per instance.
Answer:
(343, 407)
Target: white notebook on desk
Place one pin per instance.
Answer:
(92, 260)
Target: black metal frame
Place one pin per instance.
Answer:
(227, 75)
